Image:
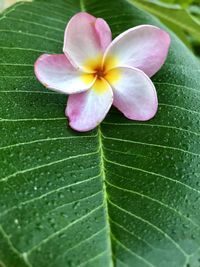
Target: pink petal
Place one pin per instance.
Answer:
(86, 110)
(144, 47)
(134, 93)
(56, 73)
(86, 37)
(104, 33)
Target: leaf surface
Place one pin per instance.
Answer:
(125, 194)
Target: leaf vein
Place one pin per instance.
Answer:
(5, 179)
(152, 225)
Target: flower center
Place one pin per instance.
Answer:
(99, 72)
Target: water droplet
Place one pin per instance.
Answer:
(75, 205)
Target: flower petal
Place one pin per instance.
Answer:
(144, 47)
(134, 93)
(86, 38)
(104, 33)
(56, 73)
(86, 110)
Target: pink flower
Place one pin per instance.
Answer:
(97, 72)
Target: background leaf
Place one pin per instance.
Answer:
(125, 194)
(177, 18)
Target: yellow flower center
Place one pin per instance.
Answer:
(97, 70)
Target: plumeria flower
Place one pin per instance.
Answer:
(97, 72)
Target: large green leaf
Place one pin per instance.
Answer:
(125, 194)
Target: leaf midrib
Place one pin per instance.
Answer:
(102, 158)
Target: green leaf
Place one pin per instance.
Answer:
(125, 194)
(195, 11)
(176, 18)
(183, 3)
